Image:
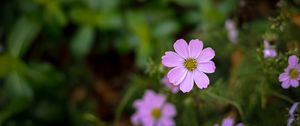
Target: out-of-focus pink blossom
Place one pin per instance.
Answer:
(269, 51)
(232, 31)
(153, 110)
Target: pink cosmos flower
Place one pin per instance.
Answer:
(290, 76)
(189, 63)
(292, 115)
(269, 51)
(169, 85)
(153, 110)
(232, 31)
(229, 122)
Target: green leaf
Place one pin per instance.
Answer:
(103, 5)
(82, 42)
(5, 65)
(54, 14)
(100, 19)
(46, 110)
(21, 36)
(16, 86)
(185, 2)
(85, 16)
(165, 28)
(9, 64)
(213, 13)
(125, 44)
(139, 26)
(110, 20)
(43, 74)
(20, 94)
(14, 106)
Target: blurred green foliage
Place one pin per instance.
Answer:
(47, 47)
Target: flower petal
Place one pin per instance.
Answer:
(135, 119)
(148, 97)
(187, 84)
(293, 60)
(283, 76)
(285, 84)
(270, 53)
(294, 83)
(177, 75)
(195, 48)
(206, 55)
(230, 24)
(169, 85)
(151, 96)
(233, 35)
(290, 121)
(148, 121)
(174, 88)
(240, 124)
(137, 104)
(201, 79)
(207, 67)
(298, 67)
(266, 44)
(227, 122)
(293, 108)
(169, 110)
(172, 59)
(181, 47)
(164, 121)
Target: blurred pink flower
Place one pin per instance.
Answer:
(152, 110)
(229, 122)
(291, 112)
(169, 85)
(189, 64)
(232, 31)
(269, 51)
(290, 76)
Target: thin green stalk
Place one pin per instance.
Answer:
(238, 107)
(123, 103)
(282, 96)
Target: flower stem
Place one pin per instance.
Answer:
(281, 96)
(221, 98)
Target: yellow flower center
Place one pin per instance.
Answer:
(190, 64)
(294, 73)
(156, 113)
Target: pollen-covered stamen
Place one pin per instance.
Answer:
(156, 113)
(294, 73)
(190, 64)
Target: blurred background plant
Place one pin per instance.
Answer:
(83, 62)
